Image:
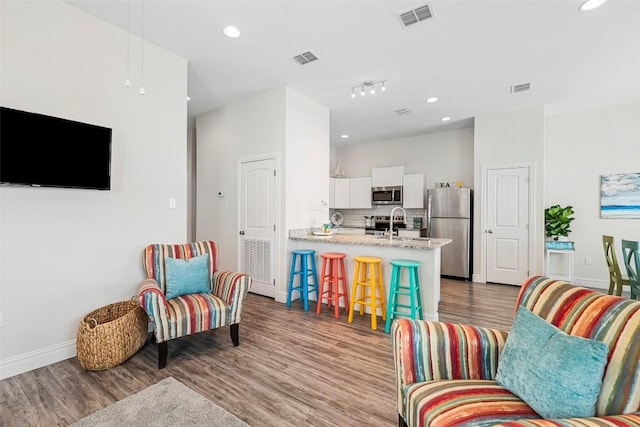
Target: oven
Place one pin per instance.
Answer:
(381, 226)
(386, 195)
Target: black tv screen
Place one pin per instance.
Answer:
(44, 151)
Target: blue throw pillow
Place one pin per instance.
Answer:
(189, 276)
(556, 374)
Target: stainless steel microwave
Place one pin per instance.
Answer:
(386, 195)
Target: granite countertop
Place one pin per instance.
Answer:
(369, 240)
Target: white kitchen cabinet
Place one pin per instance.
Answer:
(413, 191)
(387, 177)
(360, 193)
(332, 192)
(339, 193)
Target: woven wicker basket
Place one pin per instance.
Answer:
(111, 334)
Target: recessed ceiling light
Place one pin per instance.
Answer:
(591, 4)
(231, 32)
(445, 119)
(344, 136)
(432, 99)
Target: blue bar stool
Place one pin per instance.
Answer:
(305, 259)
(411, 290)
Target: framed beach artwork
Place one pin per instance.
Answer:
(620, 195)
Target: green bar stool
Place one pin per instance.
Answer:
(411, 290)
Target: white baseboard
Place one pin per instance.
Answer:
(580, 281)
(37, 359)
(591, 283)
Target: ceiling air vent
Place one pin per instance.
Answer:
(523, 87)
(404, 111)
(416, 15)
(305, 58)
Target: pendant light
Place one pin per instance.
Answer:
(141, 91)
(127, 82)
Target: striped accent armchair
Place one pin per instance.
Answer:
(191, 313)
(445, 373)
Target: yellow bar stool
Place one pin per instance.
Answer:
(368, 284)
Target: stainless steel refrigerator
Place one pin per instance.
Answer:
(449, 216)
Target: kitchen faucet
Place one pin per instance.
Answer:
(404, 221)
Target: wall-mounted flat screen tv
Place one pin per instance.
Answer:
(43, 151)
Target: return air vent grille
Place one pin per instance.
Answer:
(416, 15)
(257, 259)
(404, 111)
(305, 58)
(523, 87)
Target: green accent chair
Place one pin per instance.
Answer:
(631, 255)
(616, 280)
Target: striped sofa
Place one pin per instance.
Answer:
(192, 313)
(445, 373)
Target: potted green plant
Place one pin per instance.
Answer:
(557, 221)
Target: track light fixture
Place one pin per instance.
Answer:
(368, 86)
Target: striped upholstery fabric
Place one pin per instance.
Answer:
(427, 351)
(607, 318)
(440, 367)
(154, 256)
(463, 402)
(631, 420)
(189, 314)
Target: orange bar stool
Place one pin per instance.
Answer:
(410, 290)
(305, 262)
(333, 273)
(368, 282)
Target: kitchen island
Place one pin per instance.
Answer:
(425, 250)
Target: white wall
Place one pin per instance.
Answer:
(515, 137)
(191, 185)
(66, 252)
(307, 159)
(249, 128)
(280, 123)
(442, 157)
(579, 148)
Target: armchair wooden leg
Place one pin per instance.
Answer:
(401, 422)
(163, 350)
(235, 334)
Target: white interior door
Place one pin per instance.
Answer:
(257, 224)
(507, 225)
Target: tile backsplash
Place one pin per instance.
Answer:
(355, 217)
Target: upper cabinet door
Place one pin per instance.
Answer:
(340, 194)
(394, 176)
(387, 177)
(413, 191)
(360, 193)
(332, 193)
(378, 177)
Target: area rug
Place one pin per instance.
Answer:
(167, 403)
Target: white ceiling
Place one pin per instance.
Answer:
(468, 55)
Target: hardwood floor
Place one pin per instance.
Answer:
(292, 367)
